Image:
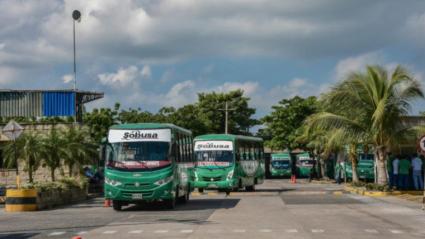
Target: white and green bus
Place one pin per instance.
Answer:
(228, 162)
(148, 162)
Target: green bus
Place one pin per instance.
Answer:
(304, 164)
(280, 165)
(228, 162)
(365, 167)
(148, 162)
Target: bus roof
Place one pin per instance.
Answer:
(150, 126)
(231, 137)
(278, 155)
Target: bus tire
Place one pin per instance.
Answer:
(250, 188)
(117, 205)
(201, 190)
(228, 192)
(184, 198)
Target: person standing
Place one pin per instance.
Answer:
(403, 172)
(417, 172)
(395, 164)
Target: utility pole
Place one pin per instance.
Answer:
(76, 16)
(226, 117)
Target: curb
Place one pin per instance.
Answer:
(365, 192)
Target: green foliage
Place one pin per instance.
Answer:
(62, 184)
(204, 116)
(372, 186)
(53, 150)
(283, 123)
(29, 152)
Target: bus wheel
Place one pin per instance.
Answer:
(201, 190)
(228, 192)
(185, 197)
(250, 188)
(117, 205)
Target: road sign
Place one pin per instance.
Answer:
(12, 130)
(422, 144)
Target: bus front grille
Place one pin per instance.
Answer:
(129, 194)
(211, 179)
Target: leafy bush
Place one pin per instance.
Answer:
(63, 184)
(372, 186)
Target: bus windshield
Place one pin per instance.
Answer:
(281, 164)
(139, 155)
(306, 162)
(214, 158)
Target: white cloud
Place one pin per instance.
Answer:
(180, 94)
(146, 72)
(67, 78)
(249, 87)
(356, 63)
(123, 77)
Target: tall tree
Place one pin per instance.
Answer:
(99, 121)
(285, 119)
(378, 101)
(211, 111)
(29, 152)
(53, 150)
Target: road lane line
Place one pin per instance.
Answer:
(239, 230)
(56, 234)
(81, 233)
(396, 231)
(371, 231)
(317, 230)
(109, 232)
(161, 231)
(186, 231)
(292, 230)
(265, 230)
(135, 232)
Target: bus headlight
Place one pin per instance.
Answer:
(112, 182)
(230, 175)
(164, 181)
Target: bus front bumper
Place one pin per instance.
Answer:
(224, 184)
(163, 192)
(280, 172)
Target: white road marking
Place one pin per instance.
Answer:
(82, 233)
(396, 231)
(239, 230)
(214, 231)
(317, 230)
(161, 231)
(135, 232)
(292, 230)
(56, 234)
(109, 232)
(265, 230)
(186, 231)
(371, 231)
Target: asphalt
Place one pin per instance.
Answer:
(278, 209)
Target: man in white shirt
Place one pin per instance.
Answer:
(417, 172)
(396, 161)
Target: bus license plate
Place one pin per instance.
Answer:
(137, 196)
(212, 185)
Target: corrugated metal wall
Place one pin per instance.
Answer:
(25, 104)
(58, 103)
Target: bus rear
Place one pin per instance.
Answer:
(215, 162)
(139, 167)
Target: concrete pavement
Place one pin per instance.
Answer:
(277, 209)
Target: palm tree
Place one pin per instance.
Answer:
(29, 152)
(369, 107)
(53, 147)
(80, 148)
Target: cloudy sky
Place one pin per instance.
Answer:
(152, 53)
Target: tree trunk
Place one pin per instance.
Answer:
(52, 174)
(30, 177)
(381, 162)
(353, 158)
(70, 167)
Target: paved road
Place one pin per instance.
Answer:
(277, 209)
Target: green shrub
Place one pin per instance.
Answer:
(62, 184)
(372, 186)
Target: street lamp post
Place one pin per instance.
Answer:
(76, 16)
